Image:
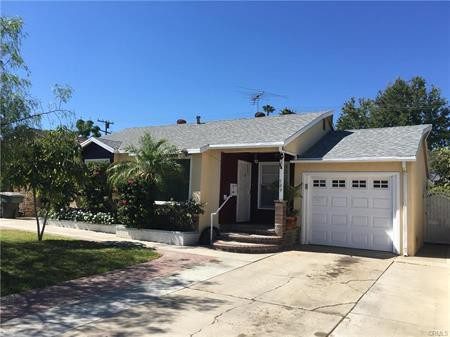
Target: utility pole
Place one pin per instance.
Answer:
(107, 125)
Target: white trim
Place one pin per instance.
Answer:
(262, 163)
(190, 178)
(98, 160)
(249, 196)
(354, 160)
(234, 146)
(98, 142)
(308, 126)
(405, 209)
(306, 179)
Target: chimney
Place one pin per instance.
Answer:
(181, 121)
(198, 119)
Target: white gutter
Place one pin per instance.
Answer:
(234, 146)
(354, 160)
(405, 209)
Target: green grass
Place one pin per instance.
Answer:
(28, 264)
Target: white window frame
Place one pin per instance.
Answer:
(268, 163)
(98, 160)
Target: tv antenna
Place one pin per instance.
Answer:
(256, 96)
(107, 125)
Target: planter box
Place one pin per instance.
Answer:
(83, 225)
(157, 235)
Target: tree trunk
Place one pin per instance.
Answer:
(36, 215)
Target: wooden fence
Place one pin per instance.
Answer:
(438, 216)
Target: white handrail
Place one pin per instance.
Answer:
(212, 218)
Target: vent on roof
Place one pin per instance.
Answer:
(260, 114)
(198, 119)
(181, 121)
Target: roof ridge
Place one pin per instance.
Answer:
(225, 120)
(389, 127)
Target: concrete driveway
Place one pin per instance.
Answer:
(312, 291)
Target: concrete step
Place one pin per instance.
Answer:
(245, 247)
(248, 229)
(251, 238)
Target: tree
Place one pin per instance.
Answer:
(401, 103)
(139, 179)
(87, 128)
(19, 112)
(151, 162)
(287, 111)
(440, 166)
(268, 109)
(49, 165)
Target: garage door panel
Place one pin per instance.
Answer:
(339, 202)
(319, 201)
(382, 222)
(360, 202)
(339, 220)
(356, 212)
(360, 221)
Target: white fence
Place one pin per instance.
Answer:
(438, 216)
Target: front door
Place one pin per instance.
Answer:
(244, 179)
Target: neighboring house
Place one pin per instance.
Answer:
(360, 188)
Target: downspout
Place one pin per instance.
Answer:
(405, 209)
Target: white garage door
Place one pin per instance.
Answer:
(351, 210)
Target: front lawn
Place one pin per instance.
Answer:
(28, 264)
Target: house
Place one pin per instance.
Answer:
(360, 188)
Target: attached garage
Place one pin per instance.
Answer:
(365, 189)
(352, 209)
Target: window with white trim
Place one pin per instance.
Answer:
(359, 183)
(381, 184)
(319, 183)
(339, 183)
(268, 183)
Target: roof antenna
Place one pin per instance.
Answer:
(256, 96)
(107, 125)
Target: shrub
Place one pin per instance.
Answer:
(181, 216)
(135, 207)
(95, 195)
(74, 214)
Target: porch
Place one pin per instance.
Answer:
(256, 181)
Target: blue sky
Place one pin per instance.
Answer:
(144, 63)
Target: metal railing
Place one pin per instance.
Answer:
(213, 215)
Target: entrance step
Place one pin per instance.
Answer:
(252, 229)
(246, 247)
(251, 238)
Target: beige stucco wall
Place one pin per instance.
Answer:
(416, 172)
(121, 157)
(195, 176)
(417, 189)
(209, 185)
(309, 138)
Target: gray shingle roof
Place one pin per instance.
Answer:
(394, 142)
(264, 130)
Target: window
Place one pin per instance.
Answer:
(359, 184)
(269, 174)
(338, 183)
(177, 186)
(380, 184)
(319, 183)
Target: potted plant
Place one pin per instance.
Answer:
(290, 193)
